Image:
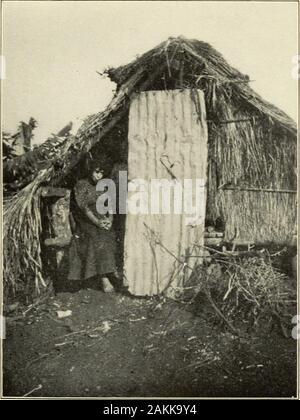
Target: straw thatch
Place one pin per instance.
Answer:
(246, 292)
(252, 144)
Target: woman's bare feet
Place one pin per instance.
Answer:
(107, 286)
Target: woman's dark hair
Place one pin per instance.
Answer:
(103, 163)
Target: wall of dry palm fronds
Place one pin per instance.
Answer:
(251, 174)
(22, 230)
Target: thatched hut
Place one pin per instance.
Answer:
(251, 176)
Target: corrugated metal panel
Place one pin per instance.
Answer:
(165, 128)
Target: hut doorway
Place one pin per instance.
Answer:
(167, 140)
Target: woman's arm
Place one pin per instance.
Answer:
(92, 218)
(81, 191)
(81, 196)
(105, 223)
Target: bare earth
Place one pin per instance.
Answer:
(118, 346)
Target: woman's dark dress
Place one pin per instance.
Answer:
(92, 249)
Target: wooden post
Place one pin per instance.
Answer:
(252, 189)
(60, 221)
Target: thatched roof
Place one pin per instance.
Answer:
(208, 61)
(251, 143)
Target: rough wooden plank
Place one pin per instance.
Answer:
(267, 190)
(57, 242)
(53, 192)
(61, 225)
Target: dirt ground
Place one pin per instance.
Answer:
(114, 345)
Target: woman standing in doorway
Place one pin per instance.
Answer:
(93, 246)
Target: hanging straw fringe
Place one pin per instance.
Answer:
(22, 248)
